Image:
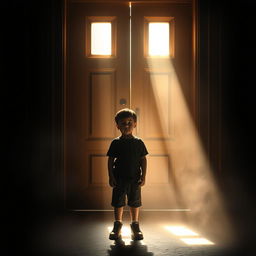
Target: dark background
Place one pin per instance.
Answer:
(32, 110)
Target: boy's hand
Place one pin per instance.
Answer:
(112, 182)
(142, 181)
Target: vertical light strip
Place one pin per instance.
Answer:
(130, 7)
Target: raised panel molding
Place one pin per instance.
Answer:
(98, 172)
(158, 117)
(102, 94)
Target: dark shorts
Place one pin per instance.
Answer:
(131, 191)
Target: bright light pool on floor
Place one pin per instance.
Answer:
(180, 231)
(196, 241)
(126, 234)
(188, 236)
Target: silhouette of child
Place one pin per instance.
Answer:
(127, 166)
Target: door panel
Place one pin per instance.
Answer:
(94, 86)
(102, 91)
(98, 86)
(158, 99)
(154, 84)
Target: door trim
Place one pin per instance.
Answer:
(195, 71)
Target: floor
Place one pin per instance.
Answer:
(86, 234)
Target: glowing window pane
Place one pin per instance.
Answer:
(101, 38)
(158, 39)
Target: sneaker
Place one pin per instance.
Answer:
(116, 232)
(136, 232)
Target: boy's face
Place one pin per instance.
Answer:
(126, 125)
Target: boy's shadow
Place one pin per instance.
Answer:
(135, 248)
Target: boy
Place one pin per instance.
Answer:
(127, 166)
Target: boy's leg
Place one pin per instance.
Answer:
(116, 232)
(118, 202)
(134, 214)
(136, 232)
(134, 201)
(118, 211)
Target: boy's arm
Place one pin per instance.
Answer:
(143, 170)
(112, 180)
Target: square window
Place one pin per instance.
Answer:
(159, 37)
(100, 39)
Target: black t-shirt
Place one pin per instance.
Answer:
(127, 153)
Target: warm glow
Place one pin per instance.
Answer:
(180, 231)
(158, 39)
(196, 241)
(185, 232)
(126, 234)
(101, 38)
(190, 167)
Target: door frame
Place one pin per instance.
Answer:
(199, 50)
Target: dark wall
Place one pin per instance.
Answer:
(227, 51)
(31, 97)
(31, 57)
(239, 53)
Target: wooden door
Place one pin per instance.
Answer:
(158, 78)
(95, 85)
(99, 85)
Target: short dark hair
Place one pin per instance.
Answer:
(124, 113)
